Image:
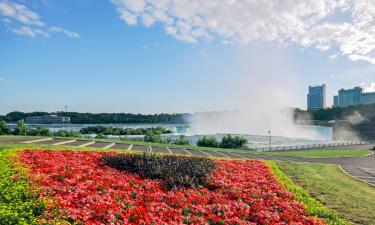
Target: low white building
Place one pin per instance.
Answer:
(47, 119)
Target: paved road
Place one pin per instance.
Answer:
(362, 168)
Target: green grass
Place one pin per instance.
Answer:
(322, 153)
(353, 200)
(9, 137)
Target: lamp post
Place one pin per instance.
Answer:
(269, 139)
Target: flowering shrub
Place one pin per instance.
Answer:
(173, 170)
(80, 190)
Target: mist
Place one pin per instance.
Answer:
(264, 87)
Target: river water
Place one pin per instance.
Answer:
(255, 140)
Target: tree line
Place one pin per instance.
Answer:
(124, 131)
(335, 113)
(101, 118)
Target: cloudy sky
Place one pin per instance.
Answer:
(153, 56)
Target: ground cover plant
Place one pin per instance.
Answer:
(18, 204)
(80, 189)
(175, 171)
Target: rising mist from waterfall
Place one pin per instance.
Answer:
(264, 87)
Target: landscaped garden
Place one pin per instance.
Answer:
(352, 200)
(45, 186)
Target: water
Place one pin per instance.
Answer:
(255, 141)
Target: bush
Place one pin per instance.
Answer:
(151, 137)
(233, 142)
(21, 128)
(206, 141)
(4, 129)
(175, 171)
(227, 141)
(66, 133)
(101, 136)
(182, 140)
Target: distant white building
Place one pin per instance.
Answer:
(47, 119)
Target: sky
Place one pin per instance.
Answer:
(153, 56)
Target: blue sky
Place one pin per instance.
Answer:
(92, 56)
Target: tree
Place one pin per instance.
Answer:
(229, 141)
(4, 129)
(182, 140)
(21, 128)
(44, 131)
(206, 141)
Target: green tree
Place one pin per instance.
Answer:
(206, 141)
(182, 140)
(44, 131)
(229, 141)
(152, 137)
(4, 129)
(21, 128)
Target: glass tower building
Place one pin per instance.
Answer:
(354, 96)
(316, 98)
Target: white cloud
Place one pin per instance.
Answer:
(5, 80)
(68, 33)
(302, 22)
(370, 87)
(22, 21)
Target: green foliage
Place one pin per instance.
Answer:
(17, 203)
(66, 133)
(151, 137)
(101, 118)
(21, 128)
(39, 131)
(126, 131)
(173, 170)
(230, 141)
(312, 206)
(182, 140)
(101, 136)
(206, 141)
(336, 113)
(323, 153)
(4, 129)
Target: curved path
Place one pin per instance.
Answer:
(362, 168)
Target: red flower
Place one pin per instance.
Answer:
(85, 192)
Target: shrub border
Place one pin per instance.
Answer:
(312, 206)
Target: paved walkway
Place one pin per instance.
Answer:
(362, 168)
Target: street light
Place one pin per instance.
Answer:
(269, 140)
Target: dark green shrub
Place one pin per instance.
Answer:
(101, 136)
(4, 129)
(206, 141)
(233, 142)
(182, 140)
(21, 128)
(151, 137)
(175, 171)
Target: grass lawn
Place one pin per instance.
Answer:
(323, 153)
(10, 137)
(353, 200)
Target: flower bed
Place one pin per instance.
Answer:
(78, 188)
